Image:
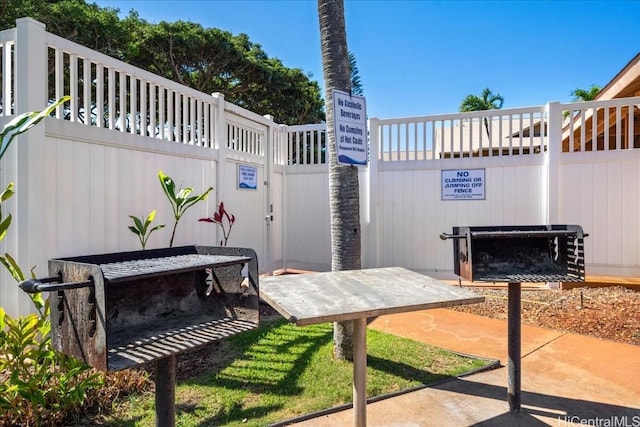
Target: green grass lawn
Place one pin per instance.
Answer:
(280, 371)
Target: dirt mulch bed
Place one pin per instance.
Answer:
(611, 313)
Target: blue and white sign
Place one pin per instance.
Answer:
(247, 177)
(463, 184)
(350, 121)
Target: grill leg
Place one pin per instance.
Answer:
(514, 347)
(165, 373)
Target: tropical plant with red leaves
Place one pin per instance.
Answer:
(224, 220)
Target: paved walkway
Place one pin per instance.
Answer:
(567, 379)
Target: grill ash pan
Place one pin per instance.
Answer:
(531, 253)
(118, 310)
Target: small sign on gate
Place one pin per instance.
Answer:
(247, 177)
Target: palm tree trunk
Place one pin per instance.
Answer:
(344, 193)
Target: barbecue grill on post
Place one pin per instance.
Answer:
(516, 254)
(119, 310)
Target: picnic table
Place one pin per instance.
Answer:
(306, 299)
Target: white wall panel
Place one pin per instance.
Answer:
(96, 199)
(276, 227)
(111, 205)
(509, 191)
(600, 192)
(64, 200)
(308, 235)
(81, 184)
(384, 216)
(614, 213)
(629, 208)
(581, 210)
(598, 236)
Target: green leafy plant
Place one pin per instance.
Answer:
(141, 229)
(180, 200)
(38, 385)
(24, 122)
(5, 222)
(43, 384)
(224, 220)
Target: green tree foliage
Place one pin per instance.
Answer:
(356, 83)
(211, 60)
(87, 24)
(486, 101)
(206, 59)
(583, 95)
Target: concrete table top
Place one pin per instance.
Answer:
(306, 299)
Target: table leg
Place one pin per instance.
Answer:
(514, 347)
(360, 372)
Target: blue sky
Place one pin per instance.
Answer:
(419, 57)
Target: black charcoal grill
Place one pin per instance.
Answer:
(535, 253)
(516, 254)
(119, 310)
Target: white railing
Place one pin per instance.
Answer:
(7, 90)
(508, 132)
(479, 134)
(245, 139)
(307, 144)
(109, 93)
(616, 125)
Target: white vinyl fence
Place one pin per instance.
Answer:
(80, 174)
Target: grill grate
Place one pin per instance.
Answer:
(142, 268)
(176, 341)
(531, 278)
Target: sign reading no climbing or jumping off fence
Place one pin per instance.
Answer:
(463, 184)
(350, 122)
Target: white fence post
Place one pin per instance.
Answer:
(283, 157)
(554, 147)
(268, 178)
(220, 144)
(372, 259)
(31, 66)
(24, 158)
